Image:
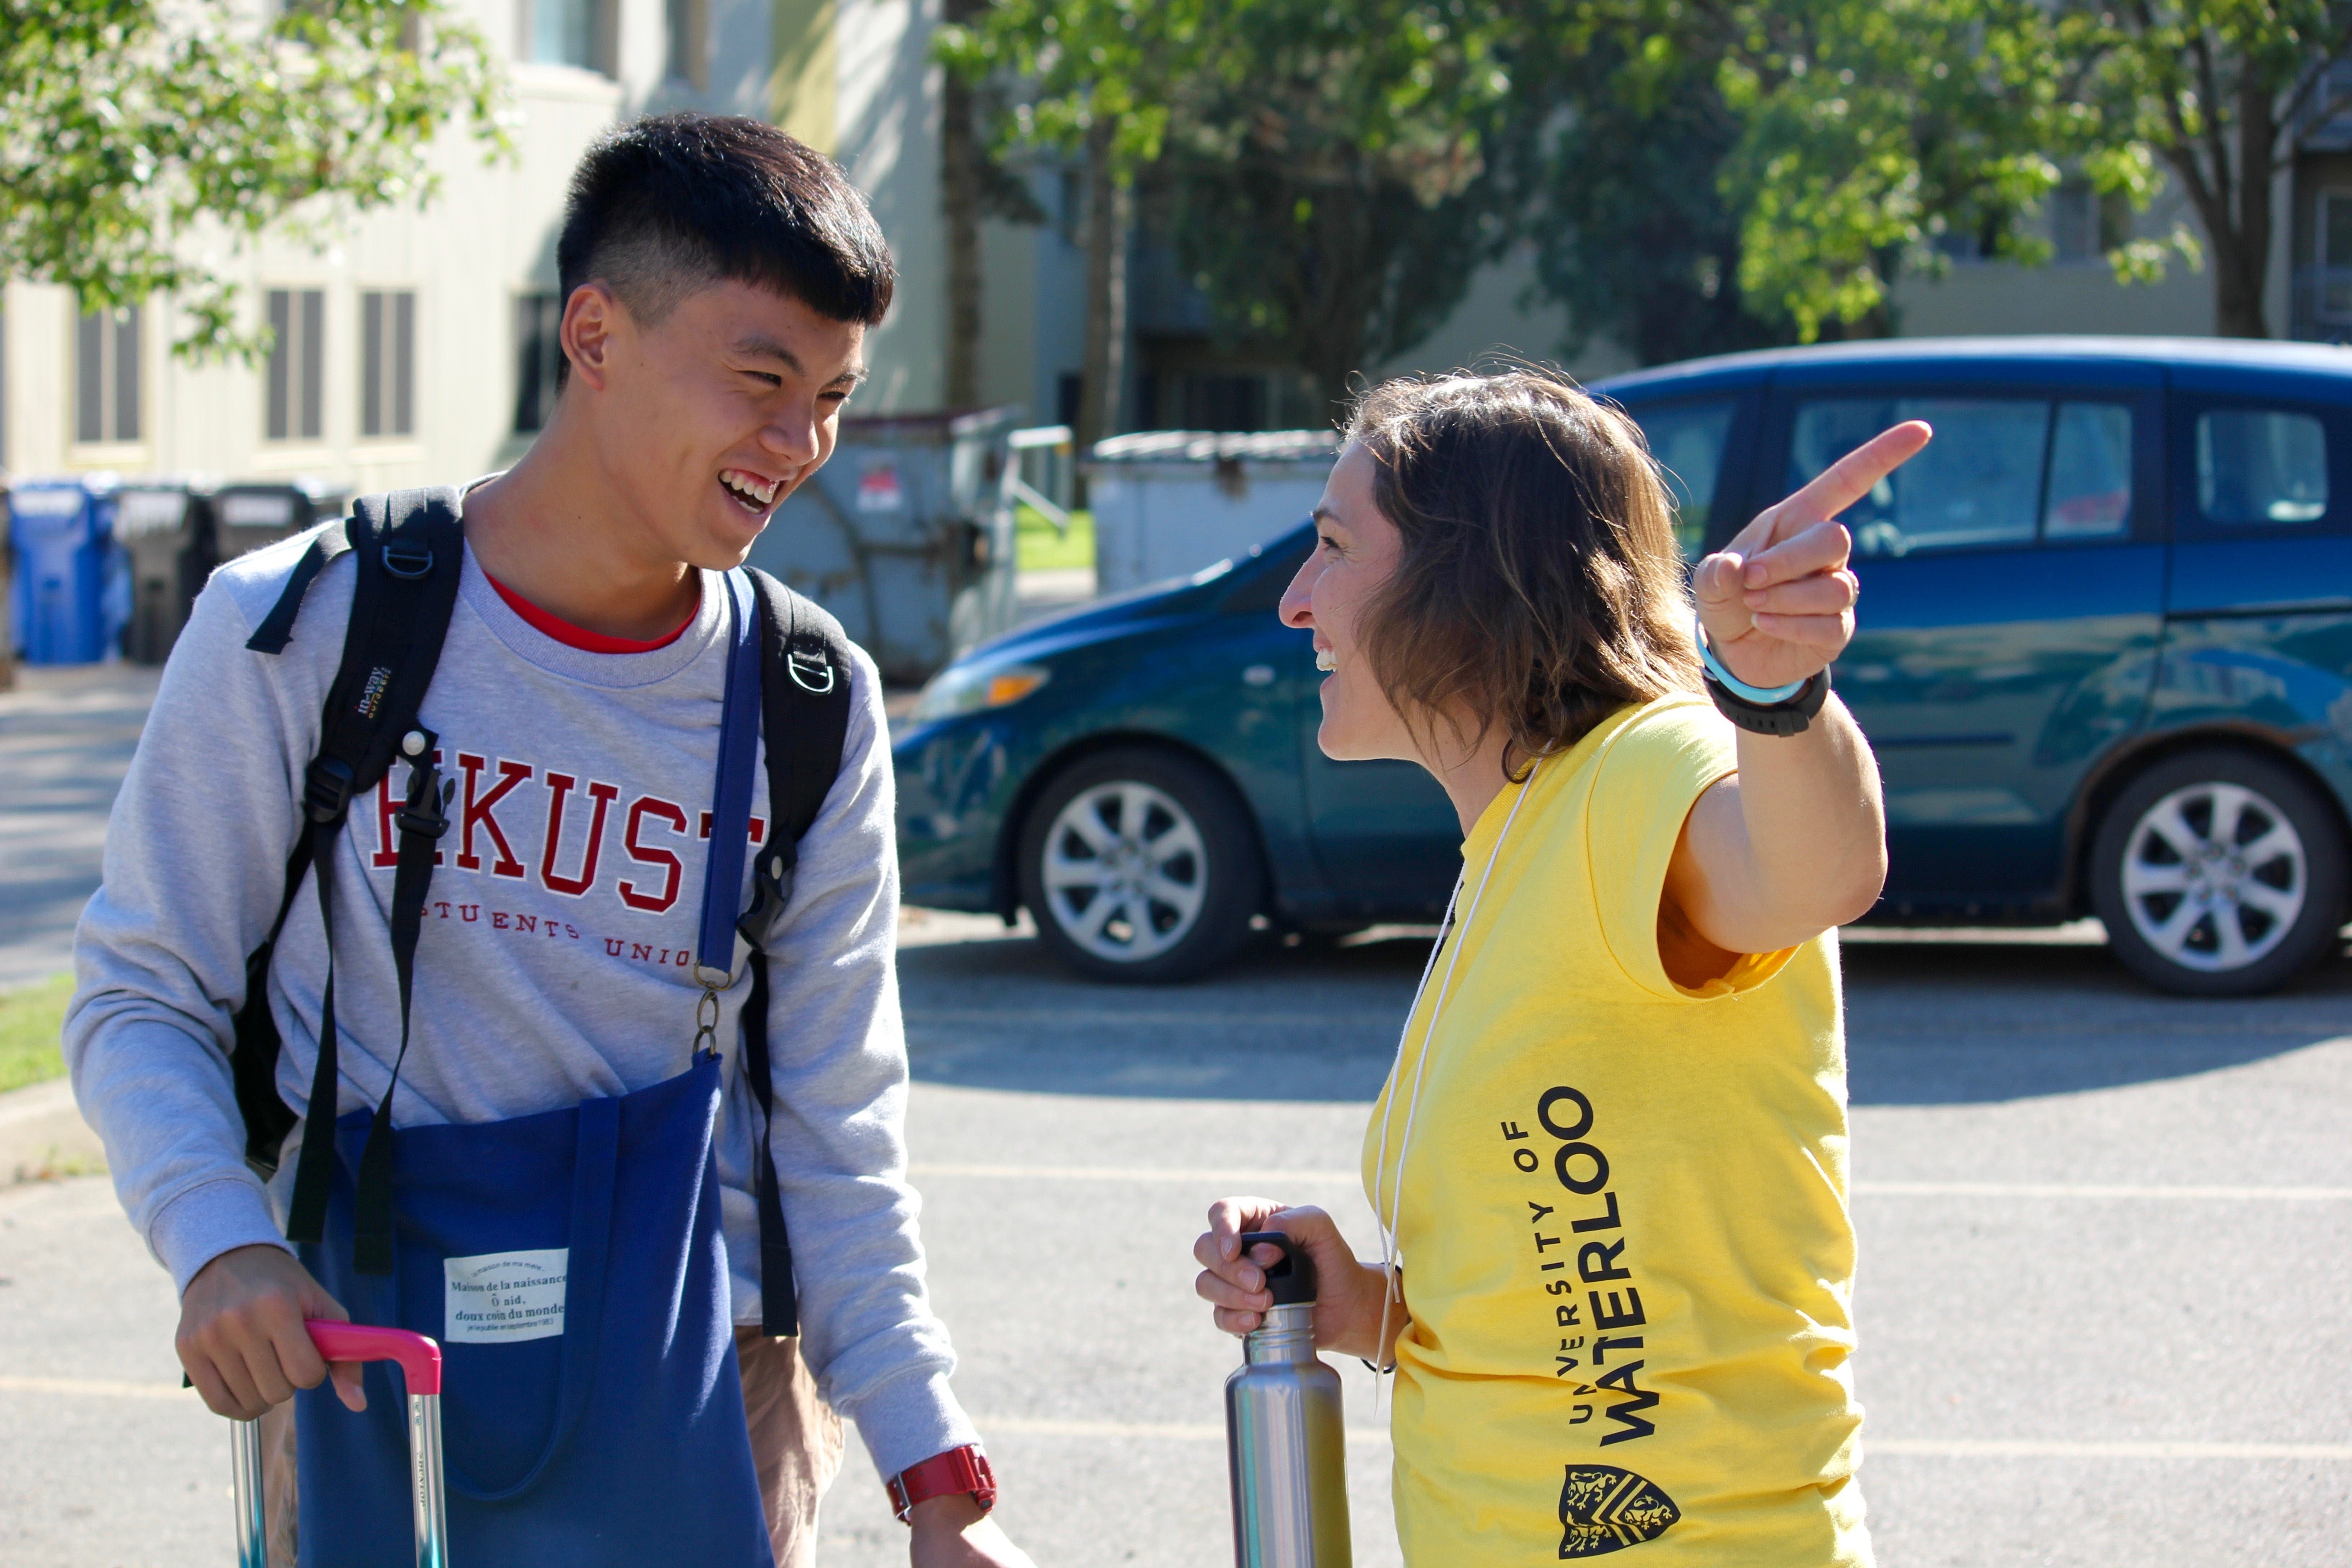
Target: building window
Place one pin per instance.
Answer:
(2335, 255)
(387, 362)
(2084, 224)
(105, 376)
(569, 33)
(539, 359)
(686, 21)
(298, 364)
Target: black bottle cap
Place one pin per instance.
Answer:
(1292, 1280)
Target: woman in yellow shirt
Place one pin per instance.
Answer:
(1609, 1163)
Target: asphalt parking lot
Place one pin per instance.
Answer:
(2107, 1249)
(2105, 1267)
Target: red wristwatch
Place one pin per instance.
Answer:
(963, 1469)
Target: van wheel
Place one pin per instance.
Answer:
(1140, 864)
(2220, 873)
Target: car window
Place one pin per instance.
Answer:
(1687, 439)
(2090, 472)
(2261, 468)
(2002, 471)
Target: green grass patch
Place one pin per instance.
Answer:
(30, 1019)
(1038, 548)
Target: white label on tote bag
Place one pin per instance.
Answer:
(501, 1298)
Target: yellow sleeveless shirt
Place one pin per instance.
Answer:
(1621, 1210)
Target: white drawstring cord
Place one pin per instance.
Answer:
(1388, 1222)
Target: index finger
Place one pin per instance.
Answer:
(1837, 487)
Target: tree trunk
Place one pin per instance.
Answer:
(2242, 256)
(1105, 372)
(960, 179)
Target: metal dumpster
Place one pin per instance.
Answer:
(1167, 502)
(62, 530)
(165, 529)
(253, 515)
(906, 535)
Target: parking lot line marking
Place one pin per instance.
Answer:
(1862, 1189)
(1865, 1029)
(1035, 1427)
(2096, 1190)
(1129, 1173)
(1200, 1433)
(2029, 1448)
(1932, 1447)
(99, 1387)
(1114, 1016)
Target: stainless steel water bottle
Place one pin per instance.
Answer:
(1287, 1443)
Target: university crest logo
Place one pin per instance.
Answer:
(1604, 1510)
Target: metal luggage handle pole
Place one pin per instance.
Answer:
(420, 1365)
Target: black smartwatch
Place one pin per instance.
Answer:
(1781, 719)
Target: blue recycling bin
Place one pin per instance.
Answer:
(66, 572)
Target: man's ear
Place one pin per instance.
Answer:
(593, 320)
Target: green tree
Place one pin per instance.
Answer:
(2212, 88)
(134, 132)
(1874, 128)
(1332, 175)
(1632, 230)
(1086, 79)
(1326, 167)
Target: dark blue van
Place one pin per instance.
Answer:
(2106, 632)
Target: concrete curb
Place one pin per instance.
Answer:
(42, 1135)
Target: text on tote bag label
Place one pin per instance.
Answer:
(500, 1298)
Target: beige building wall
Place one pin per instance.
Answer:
(2081, 295)
(854, 79)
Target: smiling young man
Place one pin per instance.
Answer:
(718, 280)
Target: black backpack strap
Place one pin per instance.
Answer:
(410, 548)
(278, 626)
(252, 1059)
(804, 698)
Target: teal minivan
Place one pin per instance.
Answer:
(2105, 635)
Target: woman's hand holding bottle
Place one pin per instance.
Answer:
(1348, 1293)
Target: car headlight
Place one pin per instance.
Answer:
(973, 689)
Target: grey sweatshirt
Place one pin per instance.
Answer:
(555, 960)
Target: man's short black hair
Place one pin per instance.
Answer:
(675, 202)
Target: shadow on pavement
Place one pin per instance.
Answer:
(1935, 1022)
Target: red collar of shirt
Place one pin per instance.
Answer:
(580, 638)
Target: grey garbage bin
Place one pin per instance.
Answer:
(905, 535)
(253, 515)
(165, 527)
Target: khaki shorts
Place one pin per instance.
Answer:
(795, 1448)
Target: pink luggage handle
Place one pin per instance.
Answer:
(420, 1366)
(418, 1355)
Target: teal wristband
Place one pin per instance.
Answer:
(1762, 696)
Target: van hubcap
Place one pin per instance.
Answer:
(2214, 877)
(1125, 871)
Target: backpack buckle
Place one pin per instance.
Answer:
(407, 561)
(793, 667)
(327, 790)
(428, 820)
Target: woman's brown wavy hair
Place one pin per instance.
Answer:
(1540, 587)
